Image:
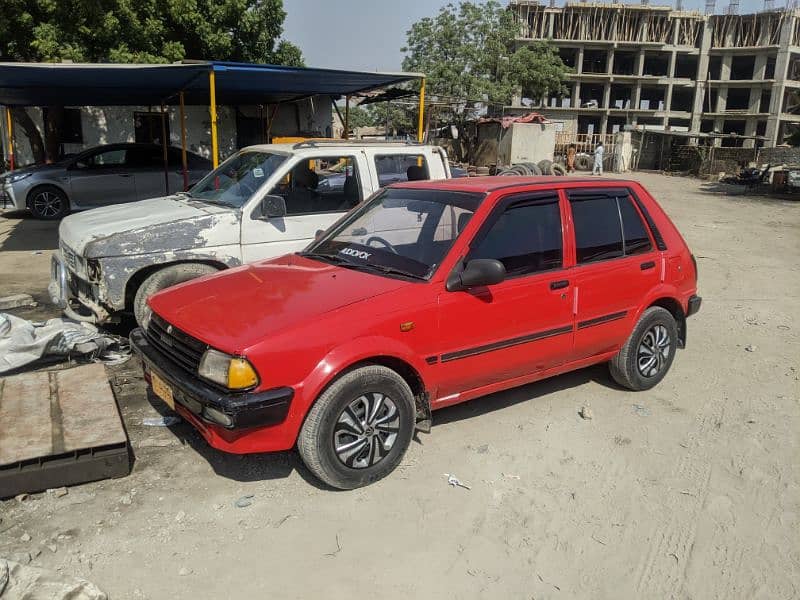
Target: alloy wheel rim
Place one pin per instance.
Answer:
(653, 351)
(366, 430)
(47, 204)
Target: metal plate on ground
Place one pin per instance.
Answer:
(59, 428)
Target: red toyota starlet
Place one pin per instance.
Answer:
(425, 295)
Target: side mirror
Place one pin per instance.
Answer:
(478, 273)
(273, 206)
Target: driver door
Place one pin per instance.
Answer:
(318, 190)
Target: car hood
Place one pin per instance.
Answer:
(236, 309)
(35, 169)
(155, 225)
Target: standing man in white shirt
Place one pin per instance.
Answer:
(598, 159)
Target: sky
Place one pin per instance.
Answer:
(368, 34)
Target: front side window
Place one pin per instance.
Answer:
(392, 168)
(235, 181)
(404, 232)
(607, 226)
(104, 159)
(526, 237)
(324, 184)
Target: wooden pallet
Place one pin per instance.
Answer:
(59, 428)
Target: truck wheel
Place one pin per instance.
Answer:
(545, 166)
(163, 279)
(647, 355)
(48, 202)
(359, 428)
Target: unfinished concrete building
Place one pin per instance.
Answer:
(655, 67)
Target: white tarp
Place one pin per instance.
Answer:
(24, 342)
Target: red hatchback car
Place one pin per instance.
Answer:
(425, 295)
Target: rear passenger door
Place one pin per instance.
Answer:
(521, 325)
(616, 266)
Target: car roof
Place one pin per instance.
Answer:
(333, 144)
(492, 183)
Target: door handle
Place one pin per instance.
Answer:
(559, 285)
(650, 264)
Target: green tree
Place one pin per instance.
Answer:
(469, 56)
(140, 31)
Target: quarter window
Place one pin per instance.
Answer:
(526, 238)
(633, 229)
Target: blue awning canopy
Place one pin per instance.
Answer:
(67, 84)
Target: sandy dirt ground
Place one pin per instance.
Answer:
(690, 490)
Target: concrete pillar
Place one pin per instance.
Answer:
(702, 75)
(725, 70)
(579, 61)
(779, 87)
(639, 66)
(604, 123)
(722, 99)
(606, 95)
(750, 129)
(610, 61)
(760, 67)
(576, 95)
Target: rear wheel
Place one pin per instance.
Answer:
(48, 202)
(163, 279)
(648, 354)
(359, 428)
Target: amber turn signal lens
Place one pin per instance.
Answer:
(241, 374)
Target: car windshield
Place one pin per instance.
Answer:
(403, 232)
(238, 178)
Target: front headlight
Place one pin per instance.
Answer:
(233, 372)
(14, 178)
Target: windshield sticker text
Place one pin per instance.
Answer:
(357, 253)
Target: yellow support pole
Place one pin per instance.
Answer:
(10, 133)
(347, 117)
(421, 130)
(184, 162)
(212, 109)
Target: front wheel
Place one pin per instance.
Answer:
(359, 428)
(48, 202)
(648, 354)
(162, 279)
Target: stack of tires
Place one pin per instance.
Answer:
(543, 167)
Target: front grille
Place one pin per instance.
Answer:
(80, 287)
(179, 346)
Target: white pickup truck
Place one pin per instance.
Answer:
(262, 202)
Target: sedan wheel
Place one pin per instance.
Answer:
(653, 351)
(48, 203)
(646, 357)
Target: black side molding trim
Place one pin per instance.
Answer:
(524, 339)
(650, 264)
(604, 319)
(432, 360)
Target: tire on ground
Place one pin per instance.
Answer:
(162, 279)
(546, 166)
(559, 169)
(48, 202)
(316, 440)
(583, 162)
(624, 366)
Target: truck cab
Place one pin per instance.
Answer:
(262, 202)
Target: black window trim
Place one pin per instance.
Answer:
(523, 199)
(614, 192)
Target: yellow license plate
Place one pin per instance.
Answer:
(162, 390)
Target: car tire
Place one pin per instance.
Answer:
(545, 166)
(341, 445)
(648, 354)
(558, 169)
(162, 279)
(48, 202)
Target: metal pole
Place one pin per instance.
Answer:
(212, 109)
(164, 149)
(420, 131)
(347, 117)
(10, 134)
(184, 161)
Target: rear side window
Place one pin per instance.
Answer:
(607, 227)
(392, 168)
(526, 238)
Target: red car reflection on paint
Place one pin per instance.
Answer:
(425, 295)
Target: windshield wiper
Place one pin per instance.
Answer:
(332, 258)
(388, 270)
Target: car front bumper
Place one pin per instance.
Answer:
(67, 289)
(202, 404)
(8, 198)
